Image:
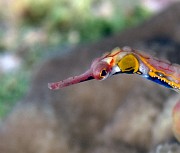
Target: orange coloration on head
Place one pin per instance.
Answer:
(176, 120)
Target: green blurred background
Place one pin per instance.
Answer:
(29, 29)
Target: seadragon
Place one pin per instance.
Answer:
(128, 60)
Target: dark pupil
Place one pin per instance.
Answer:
(103, 73)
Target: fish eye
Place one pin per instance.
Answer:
(103, 73)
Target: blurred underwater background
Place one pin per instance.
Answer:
(31, 30)
(48, 40)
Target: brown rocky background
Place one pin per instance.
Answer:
(125, 113)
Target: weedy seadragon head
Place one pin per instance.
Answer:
(117, 61)
(127, 60)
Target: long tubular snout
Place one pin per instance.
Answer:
(88, 75)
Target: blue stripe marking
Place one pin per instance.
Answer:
(156, 80)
